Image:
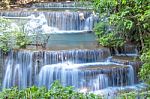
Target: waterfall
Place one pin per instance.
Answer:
(131, 75)
(66, 75)
(88, 69)
(19, 70)
(101, 82)
(79, 68)
(65, 20)
(94, 76)
(23, 67)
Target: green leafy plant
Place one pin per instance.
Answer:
(106, 37)
(21, 39)
(128, 19)
(143, 94)
(11, 37)
(145, 57)
(57, 91)
(5, 34)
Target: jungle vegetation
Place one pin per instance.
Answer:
(125, 21)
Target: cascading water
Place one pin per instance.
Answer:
(76, 75)
(65, 20)
(100, 82)
(23, 66)
(61, 72)
(79, 68)
(94, 70)
(19, 70)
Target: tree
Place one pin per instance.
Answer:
(128, 21)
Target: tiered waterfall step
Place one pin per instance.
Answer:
(79, 68)
(129, 60)
(56, 29)
(64, 5)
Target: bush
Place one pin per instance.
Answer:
(128, 20)
(57, 91)
(145, 57)
(11, 36)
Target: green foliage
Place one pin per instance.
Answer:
(21, 40)
(145, 70)
(57, 91)
(129, 19)
(134, 95)
(11, 37)
(145, 57)
(5, 35)
(106, 36)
